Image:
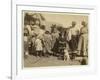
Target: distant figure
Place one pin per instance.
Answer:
(83, 40)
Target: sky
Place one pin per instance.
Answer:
(66, 18)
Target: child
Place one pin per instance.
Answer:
(38, 47)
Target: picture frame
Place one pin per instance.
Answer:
(70, 72)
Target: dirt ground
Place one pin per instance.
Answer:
(32, 61)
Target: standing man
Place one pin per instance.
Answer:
(73, 37)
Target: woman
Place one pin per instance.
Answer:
(55, 35)
(47, 42)
(83, 40)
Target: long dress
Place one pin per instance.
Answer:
(83, 42)
(38, 45)
(47, 42)
(55, 36)
(61, 44)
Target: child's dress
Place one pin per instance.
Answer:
(38, 45)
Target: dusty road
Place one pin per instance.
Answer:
(32, 61)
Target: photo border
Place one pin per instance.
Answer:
(13, 75)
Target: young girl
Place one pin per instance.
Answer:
(38, 47)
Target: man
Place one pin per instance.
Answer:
(83, 40)
(73, 36)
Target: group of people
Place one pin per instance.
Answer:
(65, 43)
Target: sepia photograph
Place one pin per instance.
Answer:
(54, 39)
